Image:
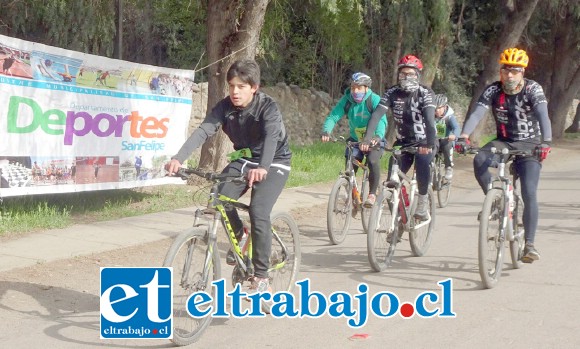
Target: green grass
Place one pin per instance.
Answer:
(572, 136)
(39, 212)
(317, 163)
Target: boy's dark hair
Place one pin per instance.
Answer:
(246, 70)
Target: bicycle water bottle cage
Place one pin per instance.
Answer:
(238, 154)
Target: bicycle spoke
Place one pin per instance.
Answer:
(422, 231)
(383, 233)
(285, 254)
(491, 239)
(195, 267)
(339, 211)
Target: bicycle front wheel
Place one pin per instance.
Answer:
(491, 241)
(365, 212)
(443, 185)
(195, 266)
(517, 246)
(338, 213)
(286, 253)
(383, 232)
(422, 232)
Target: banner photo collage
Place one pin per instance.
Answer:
(71, 121)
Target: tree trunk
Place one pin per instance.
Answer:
(439, 38)
(391, 134)
(233, 27)
(400, 30)
(514, 23)
(565, 82)
(575, 127)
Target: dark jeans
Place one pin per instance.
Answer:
(422, 166)
(528, 170)
(446, 147)
(373, 162)
(264, 196)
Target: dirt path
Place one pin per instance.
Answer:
(56, 304)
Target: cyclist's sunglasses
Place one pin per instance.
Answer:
(511, 69)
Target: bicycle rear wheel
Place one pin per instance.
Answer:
(422, 233)
(443, 184)
(365, 212)
(491, 241)
(517, 246)
(187, 255)
(338, 214)
(286, 253)
(381, 238)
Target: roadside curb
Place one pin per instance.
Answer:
(84, 239)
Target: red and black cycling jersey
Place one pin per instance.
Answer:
(515, 115)
(413, 113)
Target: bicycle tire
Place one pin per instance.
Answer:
(338, 213)
(420, 239)
(443, 185)
(517, 246)
(490, 243)
(286, 253)
(190, 245)
(381, 240)
(365, 212)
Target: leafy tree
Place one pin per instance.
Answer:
(84, 25)
(555, 42)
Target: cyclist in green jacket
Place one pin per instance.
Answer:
(356, 105)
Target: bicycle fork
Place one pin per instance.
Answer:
(188, 280)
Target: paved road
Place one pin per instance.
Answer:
(534, 307)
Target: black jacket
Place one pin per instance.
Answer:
(258, 127)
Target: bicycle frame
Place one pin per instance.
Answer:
(216, 210)
(396, 182)
(501, 181)
(349, 172)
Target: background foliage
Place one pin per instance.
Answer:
(319, 43)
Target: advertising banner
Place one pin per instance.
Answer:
(73, 122)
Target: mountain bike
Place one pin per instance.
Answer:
(347, 198)
(440, 184)
(501, 219)
(392, 215)
(195, 257)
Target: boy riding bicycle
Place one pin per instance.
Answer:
(355, 105)
(253, 122)
(447, 131)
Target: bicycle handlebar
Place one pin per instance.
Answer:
(185, 173)
(503, 151)
(341, 139)
(412, 149)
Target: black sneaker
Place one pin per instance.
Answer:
(530, 253)
(230, 258)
